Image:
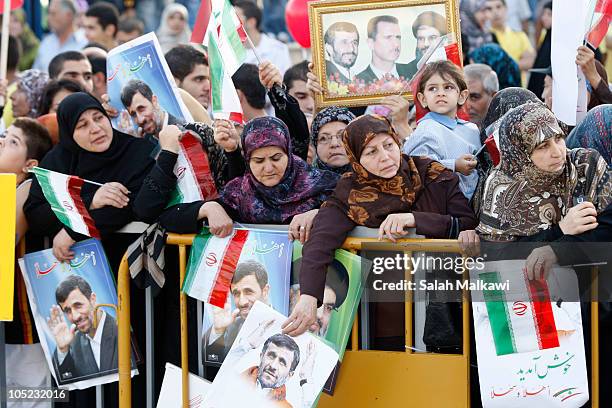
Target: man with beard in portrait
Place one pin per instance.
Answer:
(341, 46)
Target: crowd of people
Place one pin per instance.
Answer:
(321, 172)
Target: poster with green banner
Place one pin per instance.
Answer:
(343, 288)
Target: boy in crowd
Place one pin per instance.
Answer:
(101, 22)
(189, 67)
(441, 135)
(23, 146)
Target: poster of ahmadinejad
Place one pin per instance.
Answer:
(261, 274)
(343, 288)
(365, 50)
(77, 329)
(266, 368)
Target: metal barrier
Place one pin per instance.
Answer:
(367, 387)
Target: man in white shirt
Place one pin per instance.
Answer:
(267, 48)
(63, 36)
(82, 349)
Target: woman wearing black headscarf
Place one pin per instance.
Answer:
(91, 149)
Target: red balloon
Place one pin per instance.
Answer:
(296, 17)
(15, 4)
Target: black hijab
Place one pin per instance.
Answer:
(127, 160)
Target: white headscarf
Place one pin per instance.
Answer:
(167, 38)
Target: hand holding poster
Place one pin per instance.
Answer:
(265, 367)
(139, 67)
(78, 337)
(343, 288)
(522, 362)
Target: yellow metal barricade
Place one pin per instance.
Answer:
(369, 378)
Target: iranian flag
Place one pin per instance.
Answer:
(520, 326)
(226, 53)
(211, 267)
(194, 178)
(63, 192)
(225, 103)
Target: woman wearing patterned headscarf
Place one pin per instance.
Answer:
(473, 21)
(502, 102)
(385, 190)
(507, 70)
(531, 194)
(594, 132)
(29, 90)
(326, 137)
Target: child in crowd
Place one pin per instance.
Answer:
(23, 146)
(440, 134)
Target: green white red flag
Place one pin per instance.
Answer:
(520, 326)
(226, 53)
(63, 192)
(211, 267)
(192, 170)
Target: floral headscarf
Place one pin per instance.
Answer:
(368, 199)
(32, 82)
(328, 115)
(519, 199)
(594, 132)
(502, 102)
(301, 189)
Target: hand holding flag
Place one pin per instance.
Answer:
(63, 192)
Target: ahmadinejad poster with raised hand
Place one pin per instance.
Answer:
(265, 368)
(78, 331)
(261, 273)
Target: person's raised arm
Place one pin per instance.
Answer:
(286, 108)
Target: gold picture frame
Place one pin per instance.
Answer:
(336, 53)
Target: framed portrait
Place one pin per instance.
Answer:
(365, 50)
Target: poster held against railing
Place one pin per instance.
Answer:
(267, 368)
(529, 341)
(170, 394)
(7, 245)
(229, 275)
(77, 330)
(343, 289)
